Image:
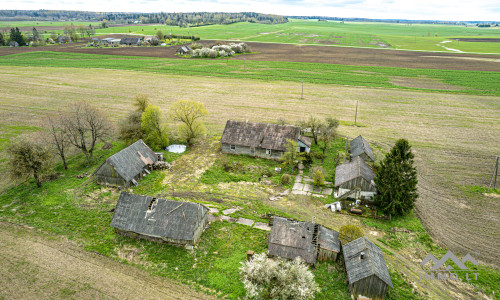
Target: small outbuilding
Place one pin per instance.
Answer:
(127, 166)
(290, 239)
(13, 44)
(184, 50)
(360, 147)
(175, 222)
(63, 39)
(367, 272)
(261, 139)
(355, 177)
(131, 41)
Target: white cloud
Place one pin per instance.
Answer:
(394, 9)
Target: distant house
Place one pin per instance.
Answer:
(367, 272)
(13, 44)
(95, 40)
(156, 219)
(290, 239)
(151, 39)
(260, 139)
(110, 41)
(131, 41)
(63, 39)
(355, 175)
(184, 50)
(127, 166)
(360, 147)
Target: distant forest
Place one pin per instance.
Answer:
(176, 19)
(404, 21)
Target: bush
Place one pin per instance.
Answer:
(349, 233)
(318, 176)
(266, 278)
(286, 179)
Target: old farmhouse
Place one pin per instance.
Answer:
(131, 41)
(355, 179)
(366, 270)
(184, 50)
(127, 166)
(157, 219)
(360, 147)
(260, 139)
(290, 239)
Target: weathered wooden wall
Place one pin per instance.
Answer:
(259, 152)
(371, 287)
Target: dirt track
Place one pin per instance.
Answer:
(313, 54)
(35, 267)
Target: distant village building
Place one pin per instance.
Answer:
(355, 177)
(127, 166)
(151, 39)
(95, 40)
(366, 269)
(13, 44)
(131, 41)
(360, 147)
(184, 50)
(175, 222)
(290, 239)
(63, 39)
(111, 41)
(260, 139)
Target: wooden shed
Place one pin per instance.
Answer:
(131, 41)
(355, 175)
(127, 166)
(261, 139)
(184, 50)
(360, 147)
(290, 239)
(367, 272)
(175, 222)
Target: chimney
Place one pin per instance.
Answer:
(362, 255)
(250, 255)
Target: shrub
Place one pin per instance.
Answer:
(212, 53)
(266, 278)
(349, 233)
(318, 176)
(286, 179)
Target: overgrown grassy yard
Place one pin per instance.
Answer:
(452, 133)
(355, 34)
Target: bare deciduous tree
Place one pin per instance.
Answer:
(58, 137)
(85, 126)
(190, 114)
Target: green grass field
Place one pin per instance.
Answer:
(464, 82)
(372, 35)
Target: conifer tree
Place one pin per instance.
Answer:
(397, 181)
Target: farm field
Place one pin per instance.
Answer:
(453, 81)
(445, 130)
(371, 35)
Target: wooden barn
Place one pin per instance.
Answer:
(356, 178)
(127, 166)
(367, 273)
(131, 41)
(260, 139)
(290, 239)
(360, 147)
(184, 50)
(175, 222)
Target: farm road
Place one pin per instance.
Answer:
(35, 267)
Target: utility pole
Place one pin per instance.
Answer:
(493, 181)
(356, 115)
(302, 95)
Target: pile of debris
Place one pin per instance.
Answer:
(161, 165)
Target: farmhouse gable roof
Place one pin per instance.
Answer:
(350, 170)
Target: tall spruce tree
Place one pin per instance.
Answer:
(397, 181)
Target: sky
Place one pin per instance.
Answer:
(450, 10)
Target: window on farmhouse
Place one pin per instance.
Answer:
(268, 151)
(233, 147)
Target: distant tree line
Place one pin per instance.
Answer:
(175, 19)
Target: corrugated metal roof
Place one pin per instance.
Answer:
(358, 146)
(373, 262)
(161, 218)
(352, 169)
(250, 134)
